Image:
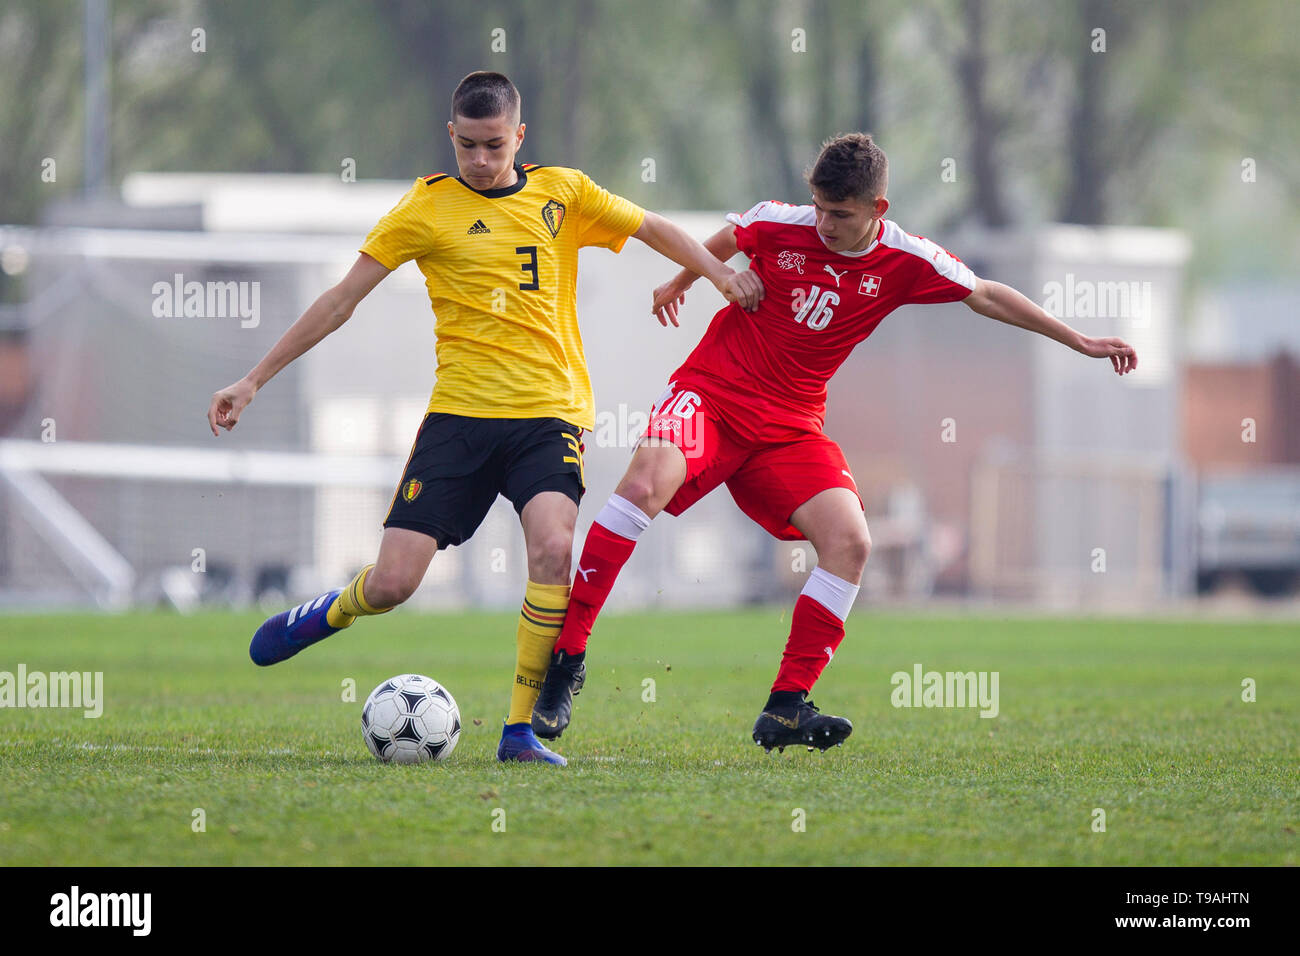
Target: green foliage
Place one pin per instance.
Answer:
(1040, 127)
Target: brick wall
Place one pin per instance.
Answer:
(1217, 398)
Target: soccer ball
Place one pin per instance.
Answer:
(410, 719)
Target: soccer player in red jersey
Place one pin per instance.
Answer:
(747, 406)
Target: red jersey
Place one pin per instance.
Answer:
(818, 305)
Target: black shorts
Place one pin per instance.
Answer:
(459, 465)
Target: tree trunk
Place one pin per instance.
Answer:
(1084, 201)
(985, 125)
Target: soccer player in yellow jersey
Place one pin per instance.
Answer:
(498, 246)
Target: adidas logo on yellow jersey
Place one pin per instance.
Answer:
(477, 229)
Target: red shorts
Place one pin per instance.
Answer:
(768, 480)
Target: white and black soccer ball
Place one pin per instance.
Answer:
(410, 719)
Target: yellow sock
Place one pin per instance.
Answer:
(351, 602)
(540, 620)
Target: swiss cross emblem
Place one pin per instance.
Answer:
(870, 285)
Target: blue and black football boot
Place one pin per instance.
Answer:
(284, 635)
(519, 744)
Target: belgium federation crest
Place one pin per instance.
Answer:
(411, 490)
(553, 216)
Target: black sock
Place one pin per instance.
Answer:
(784, 698)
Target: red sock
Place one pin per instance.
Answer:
(603, 555)
(815, 635)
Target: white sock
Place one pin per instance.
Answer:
(623, 518)
(834, 594)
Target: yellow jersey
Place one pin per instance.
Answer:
(501, 267)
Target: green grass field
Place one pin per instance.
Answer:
(1141, 718)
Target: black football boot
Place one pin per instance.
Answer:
(563, 682)
(790, 718)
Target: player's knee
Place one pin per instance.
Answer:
(388, 587)
(852, 548)
(860, 546)
(550, 555)
(640, 490)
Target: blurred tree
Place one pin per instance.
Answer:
(1125, 60)
(843, 67)
(40, 115)
(704, 103)
(765, 49)
(985, 122)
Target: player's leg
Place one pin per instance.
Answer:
(804, 490)
(657, 471)
(543, 477)
(404, 557)
(439, 501)
(835, 525)
(651, 481)
(682, 457)
(548, 519)
(679, 446)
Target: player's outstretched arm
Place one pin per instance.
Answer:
(1005, 304)
(325, 315)
(671, 296)
(671, 240)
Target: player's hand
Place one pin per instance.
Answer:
(745, 288)
(228, 403)
(668, 298)
(1123, 357)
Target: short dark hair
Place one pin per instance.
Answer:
(483, 95)
(850, 166)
